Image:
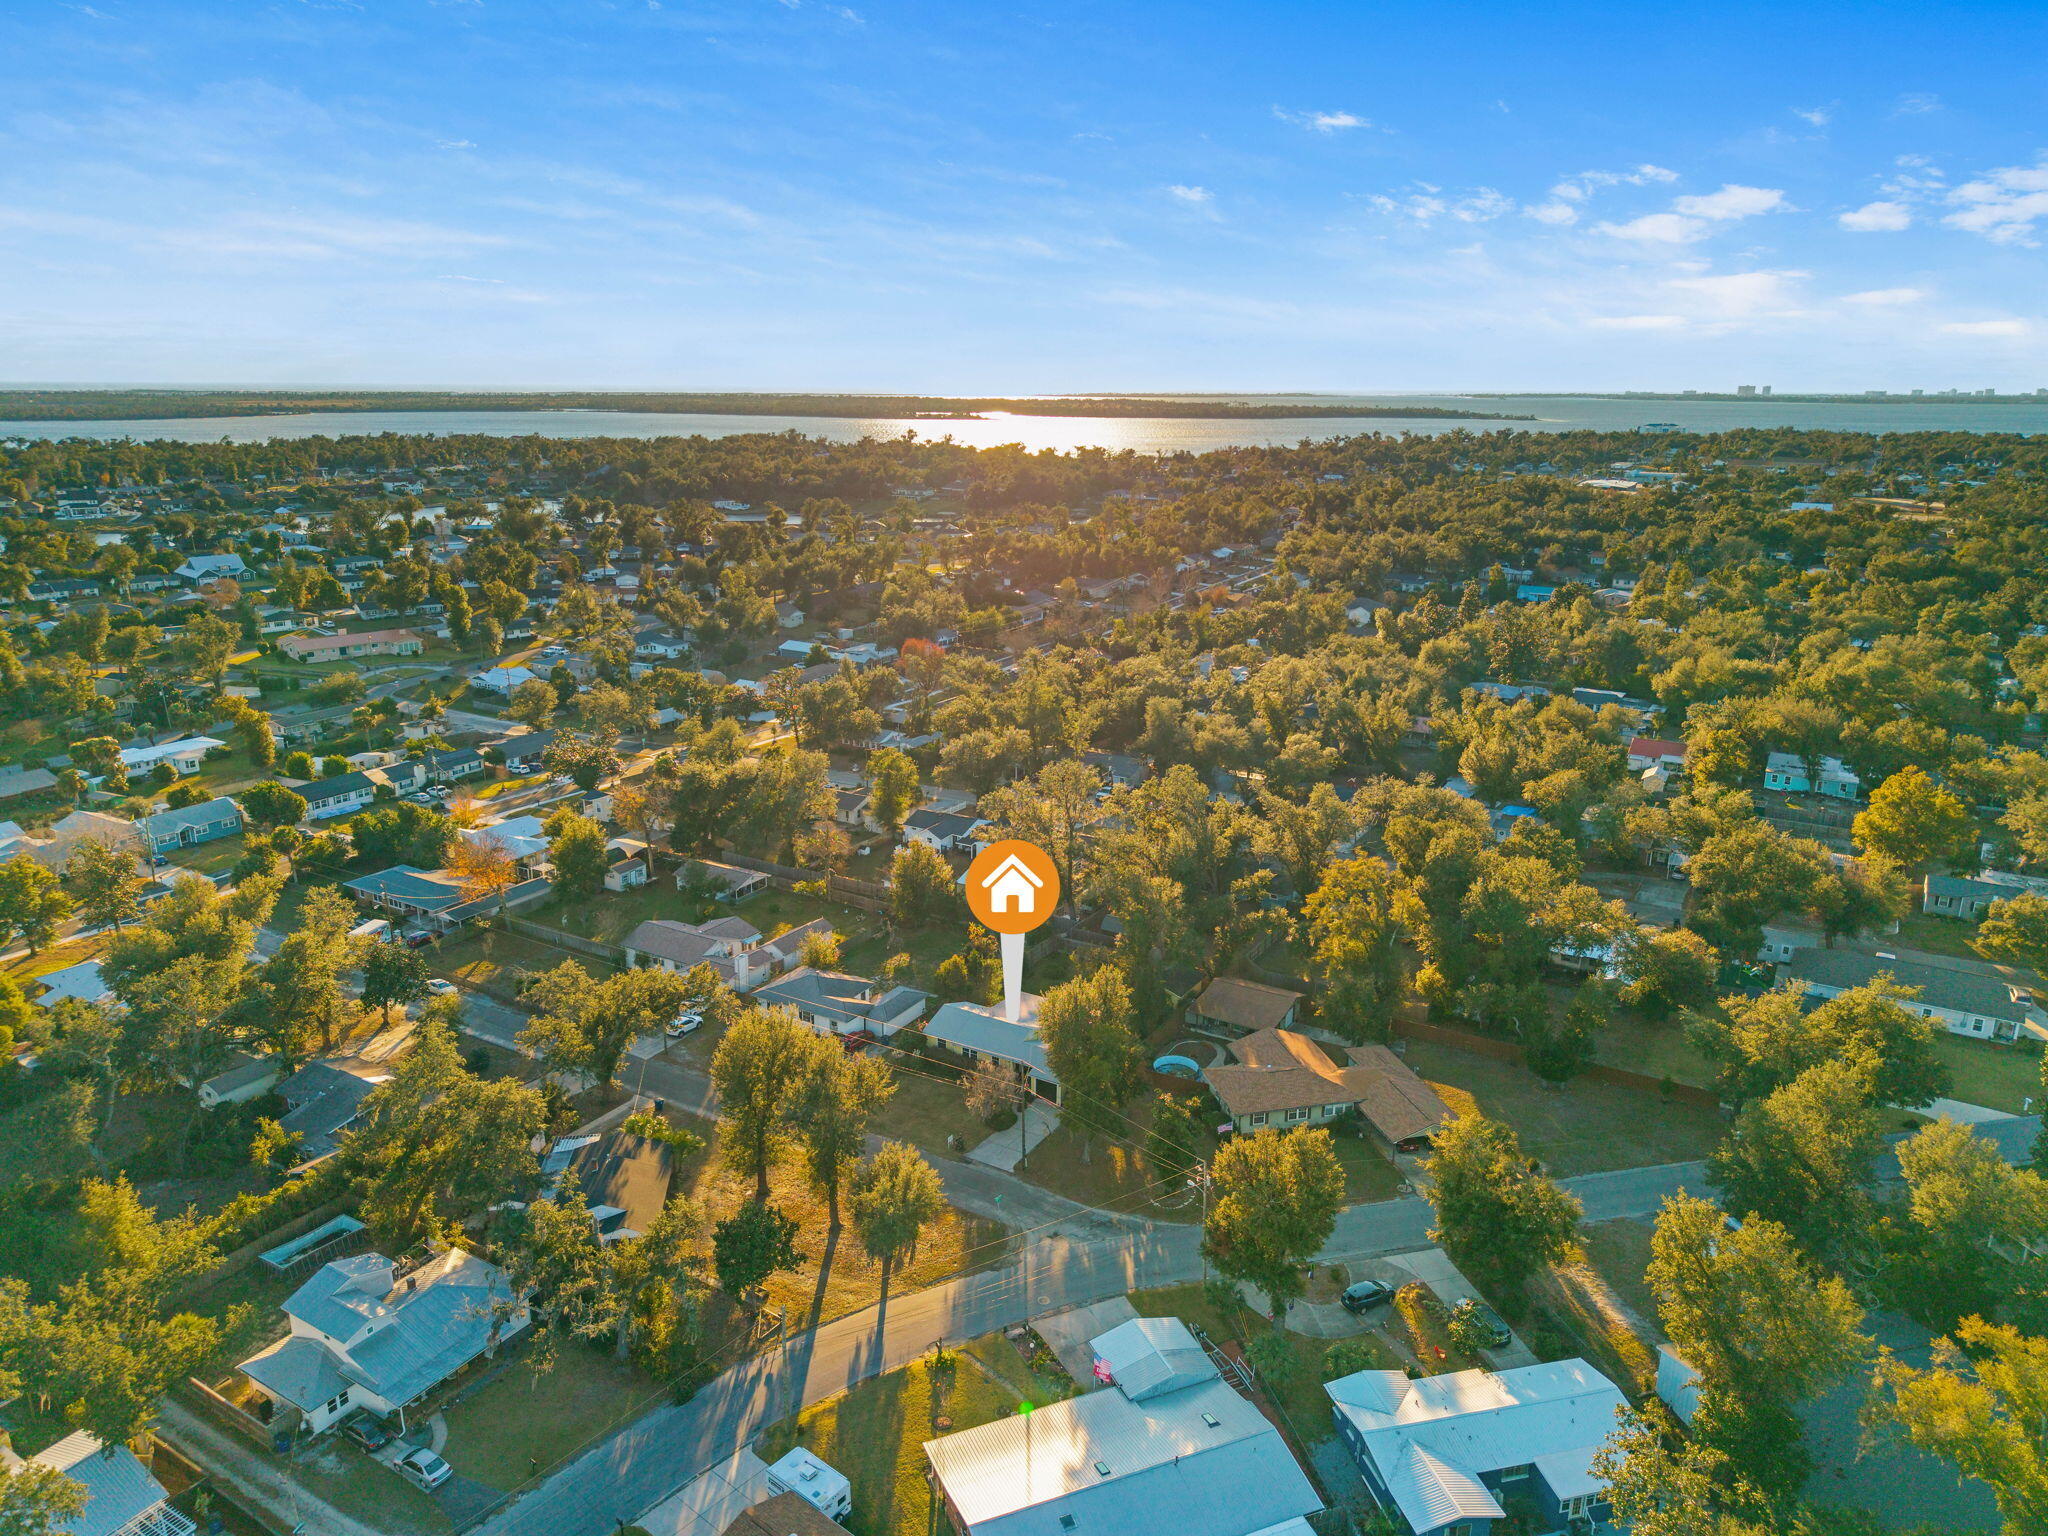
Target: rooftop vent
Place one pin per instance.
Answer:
(1102, 1469)
(1212, 1421)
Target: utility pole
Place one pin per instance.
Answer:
(1202, 1180)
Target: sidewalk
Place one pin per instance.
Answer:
(1006, 1149)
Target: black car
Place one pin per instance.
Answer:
(1486, 1323)
(367, 1431)
(1366, 1295)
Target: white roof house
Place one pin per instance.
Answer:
(981, 1033)
(502, 679)
(363, 1335)
(1447, 1449)
(185, 754)
(122, 1498)
(81, 981)
(1184, 1458)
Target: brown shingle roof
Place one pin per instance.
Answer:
(1245, 1004)
(1279, 1070)
(786, 1514)
(1399, 1104)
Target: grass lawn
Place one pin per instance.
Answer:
(1613, 1304)
(1585, 1127)
(1655, 1050)
(1937, 935)
(2000, 1076)
(834, 1278)
(55, 957)
(875, 1434)
(523, 1417)
(927, 1113)
(495, 962)
(222, 853)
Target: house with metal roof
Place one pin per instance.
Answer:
(1445, 1453)
(185, 754)
(834, 1003)
(984, 1035)
(122, 1497)
(190, 825)
(365, 1334)
(1168, 1450)
(433, 898)
(1978, 1002)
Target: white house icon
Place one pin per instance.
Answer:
(1011, 886)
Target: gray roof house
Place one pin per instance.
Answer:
(834, 1003)
(1443, 1451)
(191, 825)
(1964, 1002)
(366, 1335)
(337, 796)
(1960, 896)
(122, 1497)
(943, 831)
(433, 898)
(325, 1101)
(982, 1034)
(1170, 1450)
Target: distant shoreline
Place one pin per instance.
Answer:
(170, 404)
(1700, 397)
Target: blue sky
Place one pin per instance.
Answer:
(973, 197)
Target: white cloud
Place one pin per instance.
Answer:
(1556, 211)
(1578, 188)
(1640, 322)
(1820, 117)
(1877, 216)
(1987, 328)
(1884, 296)
(1662, 228)
(1737, 294)
(2003, 205)
(1194, 196)
(1430, 203)
(1916, 104)
(1322, 122)
(1693, 217)
(1733, 202)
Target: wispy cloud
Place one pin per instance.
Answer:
(1195, 197)
(1916, 104)
(1694, 217)
(1820, 117)
(1582, 186)
(1429, 203)
(2003, 205)
(1322, 122)
(1884, 297)
(1987, 328)
(1738, 295)
(1883, 215)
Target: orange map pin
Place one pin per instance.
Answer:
(1013, 888)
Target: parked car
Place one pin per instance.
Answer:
(367, 1430)
(1366, 1295)
(423, 1469)
(416, 937)
(439, 986)
(685, 1023)
(1486, 1323)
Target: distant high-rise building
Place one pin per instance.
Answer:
(1763, 389)
(1745, 389)
(1918, 392)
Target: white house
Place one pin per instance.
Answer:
(345, 792)
(731, 946)
(1788, 771)
(122, 1497)
(366, 1335)
(1012, 887)
(185, 754)
(501, 679)
(941, 831)
(210, 567)
(1443, 1453)
(1961, 1002)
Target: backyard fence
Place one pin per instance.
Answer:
(597, 948)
